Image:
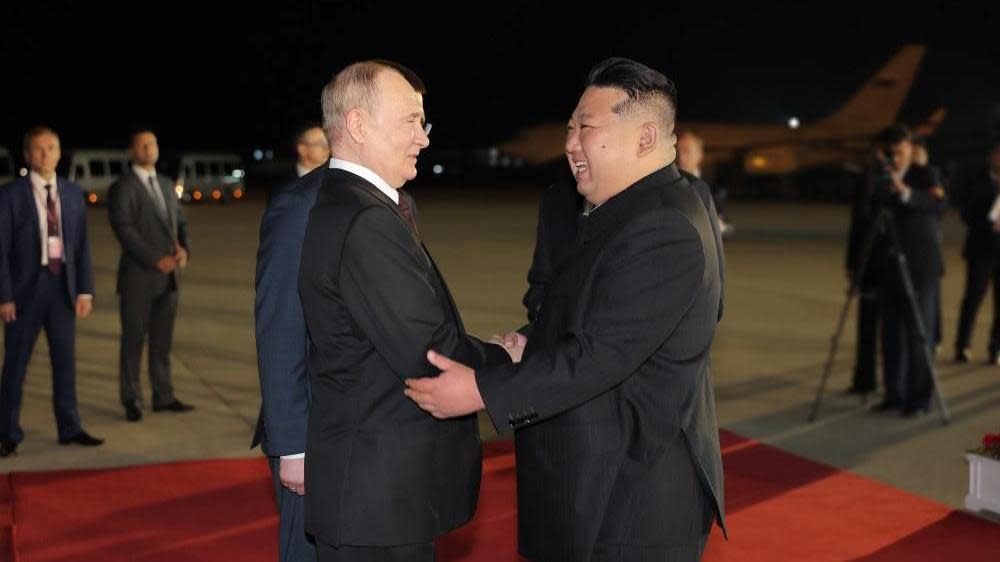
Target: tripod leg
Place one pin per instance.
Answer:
(859, 274)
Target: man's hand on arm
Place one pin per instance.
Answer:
(451, 394)
(292, 473)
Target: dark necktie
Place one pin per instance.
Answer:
(157, 195)
(407, 210)
(52, 216)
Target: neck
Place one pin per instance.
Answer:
(147, 167)
(47, 176)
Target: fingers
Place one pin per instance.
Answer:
(439, 361)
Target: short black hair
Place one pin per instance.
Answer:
(643, 85)
(301, 130)
(37, 131)
(136, 131)
(408, 74)
(895, 134)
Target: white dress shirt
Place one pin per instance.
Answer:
(365, 173)
(38, 184)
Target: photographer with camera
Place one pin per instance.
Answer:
(915, 196)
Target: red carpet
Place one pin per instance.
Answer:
(780, 507)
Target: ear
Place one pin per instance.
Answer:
(356, 123)
(648, 138)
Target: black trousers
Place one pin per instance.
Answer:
(908, 382)
(865, 360)
(146, 314)
(51, 309)
(422, 552)
(980, 272)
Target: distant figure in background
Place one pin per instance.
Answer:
(282, 341)
(864, 210)
(981, 214)
(312, 150)
(45, 282)
(917, 199)
(148, 222)
(690, 153)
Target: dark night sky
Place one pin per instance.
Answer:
(243, 78)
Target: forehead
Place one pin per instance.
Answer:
(397, 95)
(43, 139)
(598, 101)
(144, 137)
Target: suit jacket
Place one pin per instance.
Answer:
(558, 215)
(917, 222)
(280, 325)
(144, 235)
(613, 398)
(381, 471)
(21, 246)
(980, 241)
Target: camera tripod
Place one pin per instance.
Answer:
(918, 333)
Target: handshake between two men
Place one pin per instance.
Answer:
(454, 392)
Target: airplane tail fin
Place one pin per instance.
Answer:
(876, 104)
(928, 127)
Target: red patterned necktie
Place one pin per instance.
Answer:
(55, 264)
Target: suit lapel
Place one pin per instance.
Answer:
(65, 216)
(31, 207)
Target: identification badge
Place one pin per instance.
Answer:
(55, 248)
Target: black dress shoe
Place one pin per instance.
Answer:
(133, 413)
(962, 356)
(82, 438)
(885, 406)
(7, 448)
(175, 406)
(993, 358)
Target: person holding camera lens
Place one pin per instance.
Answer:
(915, 196)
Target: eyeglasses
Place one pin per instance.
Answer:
(427, 129)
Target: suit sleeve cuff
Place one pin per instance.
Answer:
(293, 457)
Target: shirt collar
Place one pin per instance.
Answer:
(143, 174)
(366, 174)
(38, 183)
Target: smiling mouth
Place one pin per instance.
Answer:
(579, 167)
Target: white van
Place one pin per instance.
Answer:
(8, 172)
(204, 176)
(95, 170)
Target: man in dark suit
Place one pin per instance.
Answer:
(46, 282)
(384, 478)
(312, 150)
(981, 214)
(612, 405)
(282, 340)
(917, 200)
(147, 220)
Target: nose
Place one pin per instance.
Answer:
(422, 140)
(572, 141)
